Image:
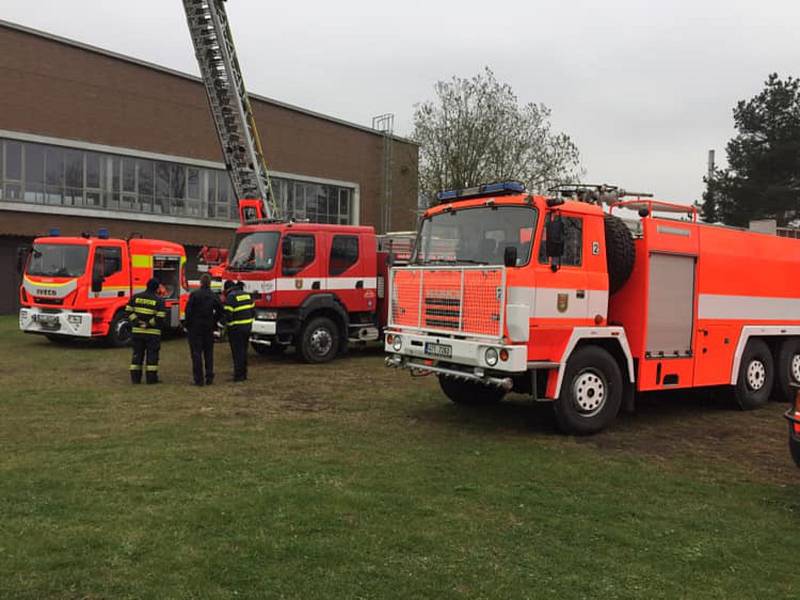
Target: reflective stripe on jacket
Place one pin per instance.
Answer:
(239, 308)
(146, 313)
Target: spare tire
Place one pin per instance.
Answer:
(620, 252)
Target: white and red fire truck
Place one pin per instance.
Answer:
(555, 298)
(315, 286)
(77, 287)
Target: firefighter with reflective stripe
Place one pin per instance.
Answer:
(146, 314)
(239, 313)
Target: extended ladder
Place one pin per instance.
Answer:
(230, 107)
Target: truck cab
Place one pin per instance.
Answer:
(77, 287)
(315, 286)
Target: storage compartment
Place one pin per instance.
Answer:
(167, 269)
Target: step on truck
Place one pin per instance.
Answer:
(77, 287)
(555, 297)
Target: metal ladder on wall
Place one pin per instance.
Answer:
(227, 98)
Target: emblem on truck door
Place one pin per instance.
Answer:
(562, 302)
(298, 284)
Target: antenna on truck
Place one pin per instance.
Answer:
(230, 107)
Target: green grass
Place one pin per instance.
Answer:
(350, 480)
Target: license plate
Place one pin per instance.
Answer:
(47, 319)
(443, 350)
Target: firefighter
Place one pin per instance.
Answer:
(146, 314)
(203, 312)
(239, 320)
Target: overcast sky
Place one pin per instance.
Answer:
(644, 87)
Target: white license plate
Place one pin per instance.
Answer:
(442, 350)
(47, 319)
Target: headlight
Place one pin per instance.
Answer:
(490, 356)
(267, 315)
(74, 319)
(397, 343)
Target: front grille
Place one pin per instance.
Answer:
(50, 301)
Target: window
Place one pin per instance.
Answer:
(344, 253)
(13, 161)
(254, 251)
(145, 177)
(58, 260)
(111, 260)
(54, 174)
(573, 242)
(298, 252)
(34, 173)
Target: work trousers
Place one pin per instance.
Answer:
(201, 346)
(145, 346)
(239, 338)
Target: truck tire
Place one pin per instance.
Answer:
(788, 370)
(591, 392)
(756, 376)
(319, 340)
(620, 252)
(119, 331)
(471, 393)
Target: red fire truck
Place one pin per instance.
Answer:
(553, 297)
(77, 287)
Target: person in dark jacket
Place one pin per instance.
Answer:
(239, 313)
(203, 312)
(146, 314)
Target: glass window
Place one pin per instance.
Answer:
(92, 170)
(573, 242)
(162, 188)
(58, 260)
(476, 235)
(145, 181)
(34, 173)
(254, 251)
(297, 253)
(73, 169)
(193, 183)
(344, 253)
(211, 194)
(13, 161)
(111, 259)
(128, 175)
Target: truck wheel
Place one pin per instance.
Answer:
(319, 341)
(620, 252)
(591, 392)
(119, 331)
(788, 369)
(470, 393)
(756, 376)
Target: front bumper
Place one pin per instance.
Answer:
(469, 353)
(62, 322)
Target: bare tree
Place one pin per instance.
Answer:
(476, 132)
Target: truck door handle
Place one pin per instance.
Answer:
(581, 293)
(315, 285)
(360, 284)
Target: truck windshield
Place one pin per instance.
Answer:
(477, 235)
(58, 260)
(254, 251)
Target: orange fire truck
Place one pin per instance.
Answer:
(556, 298)
(77, 287)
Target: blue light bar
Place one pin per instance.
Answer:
(55, 232)
(102, 233)
(501, 188)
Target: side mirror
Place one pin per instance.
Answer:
(554, 244)
(510, 256)
(22, 258)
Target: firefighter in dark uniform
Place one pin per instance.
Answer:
(146, 314)
(203, 312)
(239, 313)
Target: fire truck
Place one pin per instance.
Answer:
(554, 297)
(315, 286)
(77, 287)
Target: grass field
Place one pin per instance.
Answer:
(350, 480)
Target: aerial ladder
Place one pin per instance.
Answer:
(231, 110)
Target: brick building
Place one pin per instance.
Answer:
(90, 139)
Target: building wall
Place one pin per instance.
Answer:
(58, 89)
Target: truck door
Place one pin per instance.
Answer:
(352, 271)
(301, 272)
(110, 277)
(564, 294)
